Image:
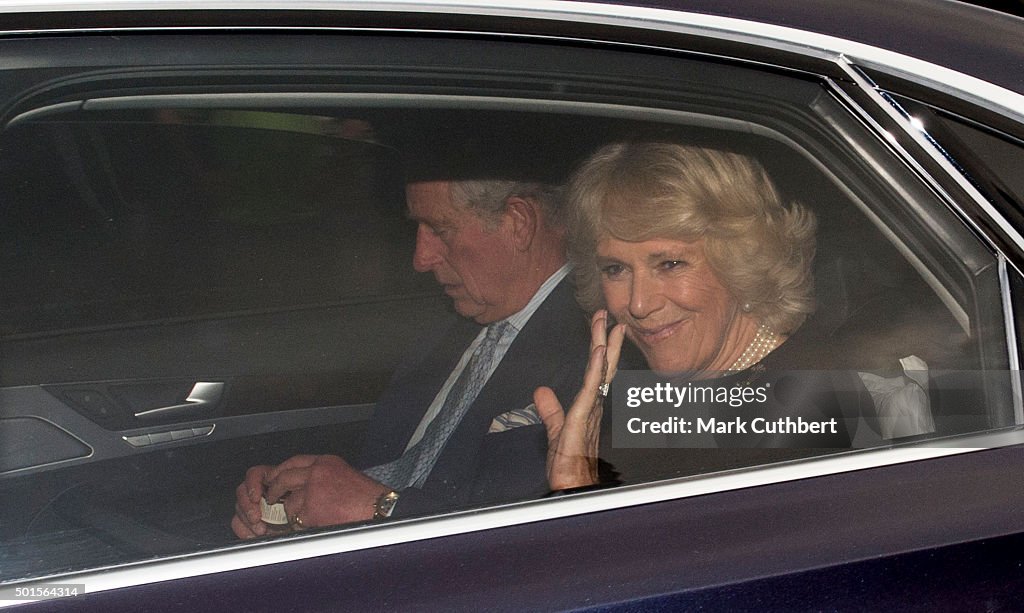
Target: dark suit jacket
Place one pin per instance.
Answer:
(476, 468)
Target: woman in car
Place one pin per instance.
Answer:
(708, 273)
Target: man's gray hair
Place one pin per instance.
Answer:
(487, 198)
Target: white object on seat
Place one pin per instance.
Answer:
(902, 406)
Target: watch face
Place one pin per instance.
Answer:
(385, 505)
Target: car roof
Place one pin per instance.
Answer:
(943, 32)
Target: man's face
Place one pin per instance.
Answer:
(472, 260)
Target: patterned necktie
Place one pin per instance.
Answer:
(412, 468)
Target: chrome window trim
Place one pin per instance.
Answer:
(845, 53)
(927, 144)
(1012, 345)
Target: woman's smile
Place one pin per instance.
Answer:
(650, 335)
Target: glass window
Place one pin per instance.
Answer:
(116, 218)
(988, 156)
(209, 270)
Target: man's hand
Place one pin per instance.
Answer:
(322, 491)
(316, 491)
(573, 437)
(247, 522)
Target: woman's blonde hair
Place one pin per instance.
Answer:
(760, 249)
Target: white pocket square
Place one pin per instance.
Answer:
(526, 416)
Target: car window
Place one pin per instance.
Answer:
(170, 214)
(209, 269)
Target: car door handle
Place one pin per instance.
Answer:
(204, 394)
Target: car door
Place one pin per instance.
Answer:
(224, 231)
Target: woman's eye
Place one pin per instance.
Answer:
(673, 264)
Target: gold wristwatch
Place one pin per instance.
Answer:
(385, 504)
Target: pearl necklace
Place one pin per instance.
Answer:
(764, 342)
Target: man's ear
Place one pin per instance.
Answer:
(525, 218)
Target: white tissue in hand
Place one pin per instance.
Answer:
(273, 513)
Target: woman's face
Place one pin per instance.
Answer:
(675, 309)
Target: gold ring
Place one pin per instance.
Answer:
(297, 523)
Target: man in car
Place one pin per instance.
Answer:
(456, 427)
